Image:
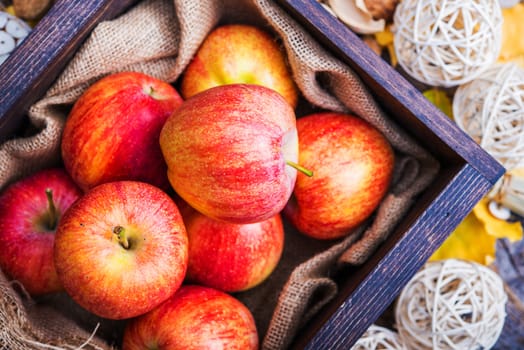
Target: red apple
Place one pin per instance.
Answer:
(232, 257)
(112, 131)
(227, 150)
(239, 53)
(195, 317)
(353, 165)
(30, 210)
(121, 249)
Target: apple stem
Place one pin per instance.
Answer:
(151, 91)
(120, 233)
(300, 168)
(52, 213)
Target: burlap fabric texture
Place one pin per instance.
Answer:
(159, 37)
(25, 324)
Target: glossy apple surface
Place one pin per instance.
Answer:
(121, 249)
(28, 221)
(352, 164)
(112, 130)
(239, 53)
(227, 150)
(194, 318)
(232, 257)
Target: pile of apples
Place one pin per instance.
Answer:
(166, 202)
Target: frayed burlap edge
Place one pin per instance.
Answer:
(25, 324)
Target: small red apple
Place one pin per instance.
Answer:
(112, 130)
(232, 257)
(353, 165)
(30, 210)
(121, 249)
(195, 317)
(228, 149)
(239, 53)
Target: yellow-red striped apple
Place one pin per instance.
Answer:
(30, 210)
(232, 257)
(112, 130)
(239, 53)
(353, 165)
(195, 317)
(121, 249)
(230, 152)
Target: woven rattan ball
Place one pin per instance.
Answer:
(377, 337)
(491, 110)
(447, 43)
(451, 304)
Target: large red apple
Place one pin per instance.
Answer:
(121, 249)
(194, 318)
(228, 149)
(232, 257)
(239, 53)
(30, 210)
(353, 165)
(112, 130)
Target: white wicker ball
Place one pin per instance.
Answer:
(377, 337)
(451, 304)
(447, 43)
(491, 110)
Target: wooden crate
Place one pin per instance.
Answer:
(467, 172)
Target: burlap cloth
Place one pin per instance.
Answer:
(159, 37)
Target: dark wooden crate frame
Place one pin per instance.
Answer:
(467, 171)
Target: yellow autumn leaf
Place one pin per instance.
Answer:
(385, 39)
(11, 10)
(440, 99)
(512, 33)
(469, 241)
(495, 227)
(475, 237)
